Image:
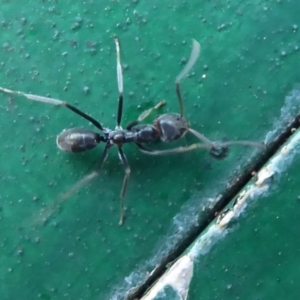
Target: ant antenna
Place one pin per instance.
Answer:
(192, 60)
(196, 48)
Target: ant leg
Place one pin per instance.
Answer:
(82, 182)
(148, 151)
(125, 183)
(145, 114)
(201, 137)
(217, 150)
(244, 143)
(54, 101)
(120, 83)
(191, 62)
(48, 211)
(220, 149)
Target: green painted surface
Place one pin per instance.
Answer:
(250, 57)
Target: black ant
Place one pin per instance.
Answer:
(167, 127)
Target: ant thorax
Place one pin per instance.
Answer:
(145, 133)
(120, 137)
(171, 126)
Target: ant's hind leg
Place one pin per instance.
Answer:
(47, 212)
(86, 179)
(145, 114)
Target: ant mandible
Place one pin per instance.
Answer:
(167, 127)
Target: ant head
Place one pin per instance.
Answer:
(171, 127)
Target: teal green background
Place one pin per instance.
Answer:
(250, 58)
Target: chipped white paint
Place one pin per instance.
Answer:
(178, 277)
(263, 175)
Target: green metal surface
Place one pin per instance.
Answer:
(65, 49)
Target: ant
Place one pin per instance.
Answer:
(166, 128)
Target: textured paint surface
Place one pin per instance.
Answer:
(64, 49)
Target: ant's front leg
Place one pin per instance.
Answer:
(176, 150)
(218, 150)
(145, 114)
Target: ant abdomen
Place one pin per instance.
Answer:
(77, 140)
(171, 127)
